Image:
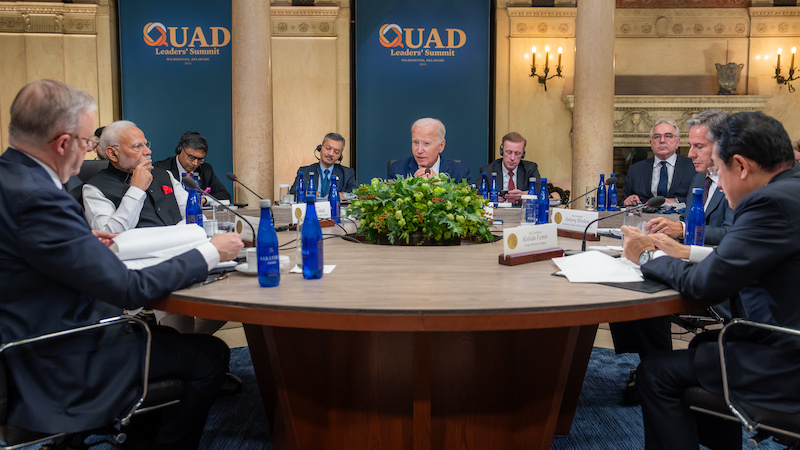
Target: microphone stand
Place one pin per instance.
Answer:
(233, 178)
(191, 184)
(654, 202)
(609, 182)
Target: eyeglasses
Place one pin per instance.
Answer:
(137, 146)
(90, 142)
(193, 158)
(667, 137)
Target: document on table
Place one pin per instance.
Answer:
(596, 267)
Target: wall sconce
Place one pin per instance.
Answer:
(543, 78)
(779, 78)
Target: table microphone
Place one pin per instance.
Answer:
(233, 178)
(427, 171)
(191, 184)
(654, 202)
(609, 182)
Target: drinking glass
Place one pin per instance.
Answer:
(590, 199)
(225, 222)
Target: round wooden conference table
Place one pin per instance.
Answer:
(420, 347)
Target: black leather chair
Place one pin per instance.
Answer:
(89, 168)
(764, 422)
(44, 349)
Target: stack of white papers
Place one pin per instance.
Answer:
(596, 267)
(143, 247)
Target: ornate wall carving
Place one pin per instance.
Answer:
(542, 22)
(775, 22)
(685, 22)
(635, 115)
(48, 18)
(297, 21)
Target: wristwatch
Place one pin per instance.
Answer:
(646, 256)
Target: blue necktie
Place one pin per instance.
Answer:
(663, 179)
(326, 183)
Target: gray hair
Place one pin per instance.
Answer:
(427, 121)
(334, 137)
(667, 121)
(712, 119)
(44, 109)
(110, 136)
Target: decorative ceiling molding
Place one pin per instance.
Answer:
(635, 115)
(775, 22)
(57, 18)
(682, 23)
(527, 22)
(304, 21)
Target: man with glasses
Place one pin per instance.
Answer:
(129, 193)
(191, 158)
(513, 173)
(666, 174)
(330, 157)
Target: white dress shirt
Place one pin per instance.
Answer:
(657, 172)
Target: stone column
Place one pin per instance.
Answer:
(593, 117)
(252, 99)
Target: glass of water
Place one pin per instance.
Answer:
(225, 220)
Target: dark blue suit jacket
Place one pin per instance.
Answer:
(55, 275)
(207, 177)
(719, 215)
(345, 181)
(756, 266)
(640, 177)
(408, 166)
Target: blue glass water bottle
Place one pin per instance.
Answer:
(493, 194)
(612, 195)
(301, 188)
(484, 187)
(269, 262)
(194, 212)
(601, 194)
(543, 200)
(531, 186)
(333, 197)
(311, 238)
(696, 220)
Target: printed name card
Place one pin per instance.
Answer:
(574, 220)
(299, 211)
(530, 238)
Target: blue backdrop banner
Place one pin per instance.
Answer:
(421, 58)
(175, 67)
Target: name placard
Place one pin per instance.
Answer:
(529, 238)
(574, 220)
(299, 211)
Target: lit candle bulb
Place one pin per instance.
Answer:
(791, 66)
(546, 56)
(779, 58)
(533, 57)
(559, 57)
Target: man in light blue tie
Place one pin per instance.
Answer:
(666, 174)
(331, 152)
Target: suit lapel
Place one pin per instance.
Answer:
(716, 199)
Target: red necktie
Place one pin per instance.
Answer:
(511, 185)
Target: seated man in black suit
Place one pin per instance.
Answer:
(129, 193)
(648, 336)
(56, 275)
(330, 157)
(513, 174)
(427, 143)
(755, 266)
(666, 174)
(191, 157)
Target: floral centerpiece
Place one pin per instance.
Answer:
(405, 208)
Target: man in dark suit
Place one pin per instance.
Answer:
(130, 193)
(512, 171)
(427, 143)
(191, 158)
(652, 335)
(755, 266)
(330, 157)
(56, 274)
(719, 216)
(666, 174)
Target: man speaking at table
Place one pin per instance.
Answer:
(427, 144)
(756, 266)
(56, 274)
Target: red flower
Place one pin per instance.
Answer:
(166, 189)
